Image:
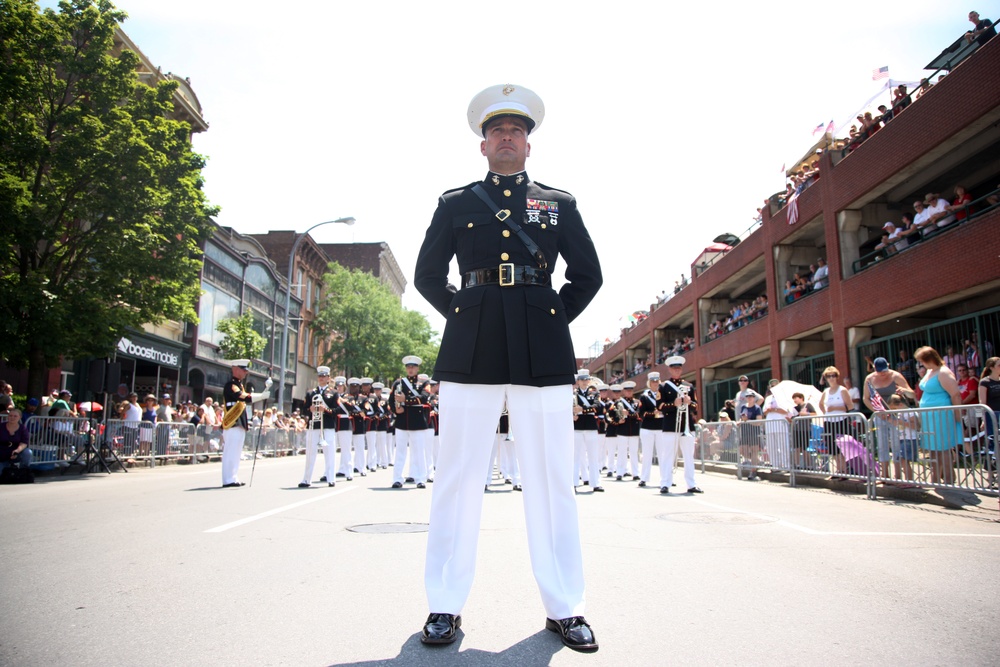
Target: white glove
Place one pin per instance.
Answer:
(268, 383)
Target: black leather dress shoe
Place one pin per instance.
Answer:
(695, 489)
(340, 474)
(598, 489)
(642, 483)
(665, 490)
(331, 484)
(323, 478)
(232, 484)
(618, 478)
(409, 480)
(303, 485)
(397, 485)
(517, 487)
(441, 629)
(421, 485)
(575, 633)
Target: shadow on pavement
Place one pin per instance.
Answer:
(537, 649)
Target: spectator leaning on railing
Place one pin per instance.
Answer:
(983, 31)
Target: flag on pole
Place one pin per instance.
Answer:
(880, 73)
(830, 128)
(876, 398)
(819, 128)
(793, 208)
(782, 168)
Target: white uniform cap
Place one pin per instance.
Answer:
(628, 384)
(378, 385)
(322, 370)
(675, 361)
(583, 374)
(354, 381)
(505, 100)
(366, 380)
(411, 360)
(239, 363)
(617, 387)
(340, 379)
(654, 376)
(423, 377)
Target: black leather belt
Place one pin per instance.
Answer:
(507, 275)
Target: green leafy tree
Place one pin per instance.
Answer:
(101, 197)
(240, 341)
(368, 328)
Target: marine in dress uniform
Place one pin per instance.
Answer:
(408, 400)
(381, 426)
(628, 433)
(675, 393)
(506, 338)
(651, 428)
(345, 428)
(588, 443)
(233, 437)
(321, 428)
(368, 406)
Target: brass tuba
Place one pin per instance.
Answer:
(232, 415)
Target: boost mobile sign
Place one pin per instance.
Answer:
(125, 346)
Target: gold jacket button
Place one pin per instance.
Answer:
(506, 193)
(543, 225)
(504, 256)
(470, 225)
(456, 309)
(506, 233)
(552, 311)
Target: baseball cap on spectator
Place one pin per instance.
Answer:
(65, 392)
(930, 198)
(888, 224)
(33, 402)
(881, 364)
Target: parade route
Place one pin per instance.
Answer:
(163, 567)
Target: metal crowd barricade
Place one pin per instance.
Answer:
(834, 445)
(57, 441)
(947, 447)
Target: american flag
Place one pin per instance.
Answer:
(819, 128)
(876, 398)
(830, 128)
(793, 208)
(880, 73)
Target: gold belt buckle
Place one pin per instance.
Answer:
(507, 275)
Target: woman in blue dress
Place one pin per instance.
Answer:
(942, 429)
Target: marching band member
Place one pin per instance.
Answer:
(321, 428)
(345, 429)
(678, 429)
(381, 427)
(407, 400)
(368, 407)
(508, 458)
(587, 406)
(628, 433)
(610, 428)
(234, 433)
(652, 425)
(358, 427)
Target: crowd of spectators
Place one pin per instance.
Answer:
(805, 282)
(740, 315)
(930, 215)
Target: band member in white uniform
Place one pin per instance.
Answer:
(321, 402)
(628, 433)
(234, 435)
(408, 400)
(651, 430)
(345, 429)
(677, 397)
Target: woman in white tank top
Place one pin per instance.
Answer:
(835, 401)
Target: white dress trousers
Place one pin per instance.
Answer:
(358, 440)
(316, 438)
(686, 443)
(649, 438)
(628, 455)
(344, 436)
(412, 442)
(543, 420)
(371, 440)
(232, 448)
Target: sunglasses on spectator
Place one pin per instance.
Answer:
(832, 375)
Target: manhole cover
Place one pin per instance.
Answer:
(386, 528)
(726, 518)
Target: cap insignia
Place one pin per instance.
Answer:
(508, 89)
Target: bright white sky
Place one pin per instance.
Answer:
(668, 123)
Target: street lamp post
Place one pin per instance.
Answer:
(288, 302)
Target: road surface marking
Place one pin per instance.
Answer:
(277, 510)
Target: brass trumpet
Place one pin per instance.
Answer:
(682, 412)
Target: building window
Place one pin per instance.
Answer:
(214, 306)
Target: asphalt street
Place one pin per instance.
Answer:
(163, 567)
